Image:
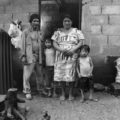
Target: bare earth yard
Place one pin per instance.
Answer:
(107, 108)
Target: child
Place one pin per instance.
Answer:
(49, 60)
(84, 70)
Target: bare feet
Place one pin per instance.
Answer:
(62, 97)
(71, 98)
(82, 100)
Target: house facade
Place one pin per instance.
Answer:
(99, 20)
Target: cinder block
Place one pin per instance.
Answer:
(31, 8)
(111, 9)
(5, 18)
(114, 41)
(95, 10)
(6, 27)
(114, 50)
(21, 16)
(111, 29)
(102, 2)
(1, 26)
(86, 15)
(99, 19)
(98, 40)
(2, 9)
(116, 1)
(14, 9)
(114, 19)
(33, 1)
(96, 29)
(4, 2)
(23, 2)
(22, 8)
(97, 44)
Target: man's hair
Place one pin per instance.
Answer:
(34, 16)
(85, 47)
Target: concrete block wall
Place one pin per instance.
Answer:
(101, 27)
(16, 9)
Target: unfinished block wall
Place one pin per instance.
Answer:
(101, 27)
(16, 9)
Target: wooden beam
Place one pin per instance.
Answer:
(39, 6)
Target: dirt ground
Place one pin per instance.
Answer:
(107, 108)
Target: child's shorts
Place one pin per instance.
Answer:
(85, 83)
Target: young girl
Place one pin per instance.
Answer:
(84, 70)
(49, 60)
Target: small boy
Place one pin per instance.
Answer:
(84, 70)
(49, 60)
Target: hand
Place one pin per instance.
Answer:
(23, 59)
(64, 51)
(70, 52)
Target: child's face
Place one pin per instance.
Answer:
(83, 53)
(48, 44)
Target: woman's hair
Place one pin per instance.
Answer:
(34, 16)
(66, 16)
(85, 47)
(48, 39)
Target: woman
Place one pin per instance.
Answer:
(66, 41)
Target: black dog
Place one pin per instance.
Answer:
(12, 111)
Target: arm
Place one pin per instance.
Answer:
(73, 50)
(80, 39)
(91, 64)
(78, 45)
(55, 38)
(56, 46)
(78, 72)
(78, 69)
(23, 47)
(23, 37)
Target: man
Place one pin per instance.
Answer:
(31, 53)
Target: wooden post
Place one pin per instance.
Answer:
(39, 6)
(80, 12)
